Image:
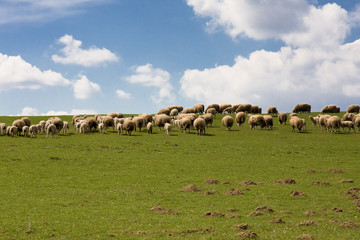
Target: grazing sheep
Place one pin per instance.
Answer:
(333, 124)
(353, 108)
(101, 128)
(208, 117)
(19, 124)
(302, 108)
(314, 120)
(272, 110)
(51, 129)
(59, 124)
(322, 120)
(199, 108)
(296, 123)
(119, 128)
(74, 119)
(357, 122)
(149, 127)
(177, 123)
(42, 126)
(129, 126)
(167, 128)
(348, 117)
(222, 107)
(139, 122)
(216, 106)
(256, 120)
(163, 111)
(229, 110)
(191, 116)
(282, 118)
(119, 115)
(246, 108)
(108, 122)
(212, 111)
(66, 128)
(200, 125)
(227, 122)
(12, 131)
(255, 109)
(330, 109)
(84, 127)
(92, 123)
(33, 130)
(25, 131)
(3, 128)
(304, 124)
(174, 112)
(160, 120)
(185, 123)
(27, 121)
(240, 118)
(269, 123)
(112, 114)
(147, 117)
(348, 124)
(188, 110)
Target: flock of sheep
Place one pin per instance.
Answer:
(197, 118)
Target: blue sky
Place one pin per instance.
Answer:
(136, 56)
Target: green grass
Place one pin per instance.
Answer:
(92, 186)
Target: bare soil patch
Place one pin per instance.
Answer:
(276, 220)
(346, 181)
(309, 213)
(305, 236)
(349, 224)
(190, 188)
(256, 213)
(337, 210)
(234, 192)
(211, 181)
(220, 214)
(161, 209)
(285, 181)
(264, 208)
(308, 223)
(334, 220)
(320, 183)
(245, 235)
(248, 183)
(208, 193)
(297, 194)
(311, 171)
(243, 226)
(336, 170)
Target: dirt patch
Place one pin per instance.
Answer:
(197, 230)
(336, 170)
(320, 183)
(334, 220)
(308, 223)
(264, 208)
(305, 236)
(337, 210)
(161, 209)
(243, 226)
(220, 214)
(245, 235)
(349, 224)
(309, 213)
(248, 182)
(353, 190)
(226, 183)
(234, 192)
(346, 181)
(276, 220)
(255, 214)
(135, 232)
(311, 171)
(297, 194)
(208, 193)
(211, 181)
(190, 188)
(285, 181)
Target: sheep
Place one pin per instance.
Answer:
(333, 124)
(108, 122)
(84, 127)
(185, 123)
(188, 110)
(8, 130)
(199, 108)
(33, 130)
(119, 128)
(139, 122)
(208, 117)
(167, 128)
(357, 121)
(149, 127)
(128, 126)
(348, 117)
(51, 128)
(3, 128)
(19, 124)
(200, 125)
(297, 123)
(177, 123)
(74, 119)
(314, 120)
(222, 107)
(246, 108)
(227, 122)
(268, 121)
(92, 123)
(147, 117)
(282, 118)
(229, 110)
(12, 131)
(101, 128)
(161, 119)
(255, 109)
(348, 124)
(119, 115)
(256, 120)
(353, 108)
(330, 109)
(191, 116)
(272, 110)
(235, 106)
(302, 107)
(59, 124)
(212, 111)
(163, 111)
(216, 106)
(240, 118)
(42, 126)
(304, 123)
(112, 114)
(25, 131)
(322, 120)
(174, 112)
(27, 121)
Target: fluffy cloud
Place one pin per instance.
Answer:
(74, 54)
(148, 76)
(84, 89)
(123, 95)
(15, 73)
(314, 64)
(29, 111)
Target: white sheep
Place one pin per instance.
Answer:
(167, 128)
(348, 124)
(25, 131)
(119, 128)
(66, 128)
(51, 128)
(33, 130)
(149, 127)
(3, 128)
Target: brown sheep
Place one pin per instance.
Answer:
(348, 124)
(330, 109)
(272, 110)
(129, 126)
(227, 122)
(112, 114)
(27, 121)
(139, 122)
(185, 123)
(269, 121)
(199, 108)
(302, 108)
(92, 123)
(19, 124)
(188, 110)
(246, 108)
(353, 108)
(282, 118)
(296, 123)
(163, 111)
(256, 120)
(208, 119)
(161, 119)
(222, 107)
(212, 111)
(51, 129)
(200, 125)
(216, 106)
(240, 118)
(333, 124)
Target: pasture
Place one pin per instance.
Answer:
(94, 186)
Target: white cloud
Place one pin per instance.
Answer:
(84, 89)
(148, 76)
(29, 111)
(122, 94)
(74, 54)
(15, 73)
(40, 10)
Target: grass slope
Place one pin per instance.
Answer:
(92, 186)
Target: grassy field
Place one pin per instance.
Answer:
(92, 186)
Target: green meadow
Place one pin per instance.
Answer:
(94, 186)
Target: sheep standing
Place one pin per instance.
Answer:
(163, 111)
(333, 124)
(212, 111)
(314, 120)
(330, 109)
(174, 112)
(216, 106)
(42, 126)
(240, 118)
(108, 122)
(282, 118)
(27, 121)
(167, 128)
(33, 130)
(269, 123)
(129, 126)
(101, 128)
(227, 122)
(19, 124)
(357, 122)
(3, 128)
(149, 127)
(139, 122)
(353, 108)
(302, 108)
(296, 123)
(160, 120)
(84, 127)
(256, 121)
(119, 128)
(51, 129)
(348, 124)
(272, 110)
(25, 131)
(322, 120)
(185, 123)
(246, 108)
(200, 125)
(13, 131)
(199, 108)
(66, 128)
